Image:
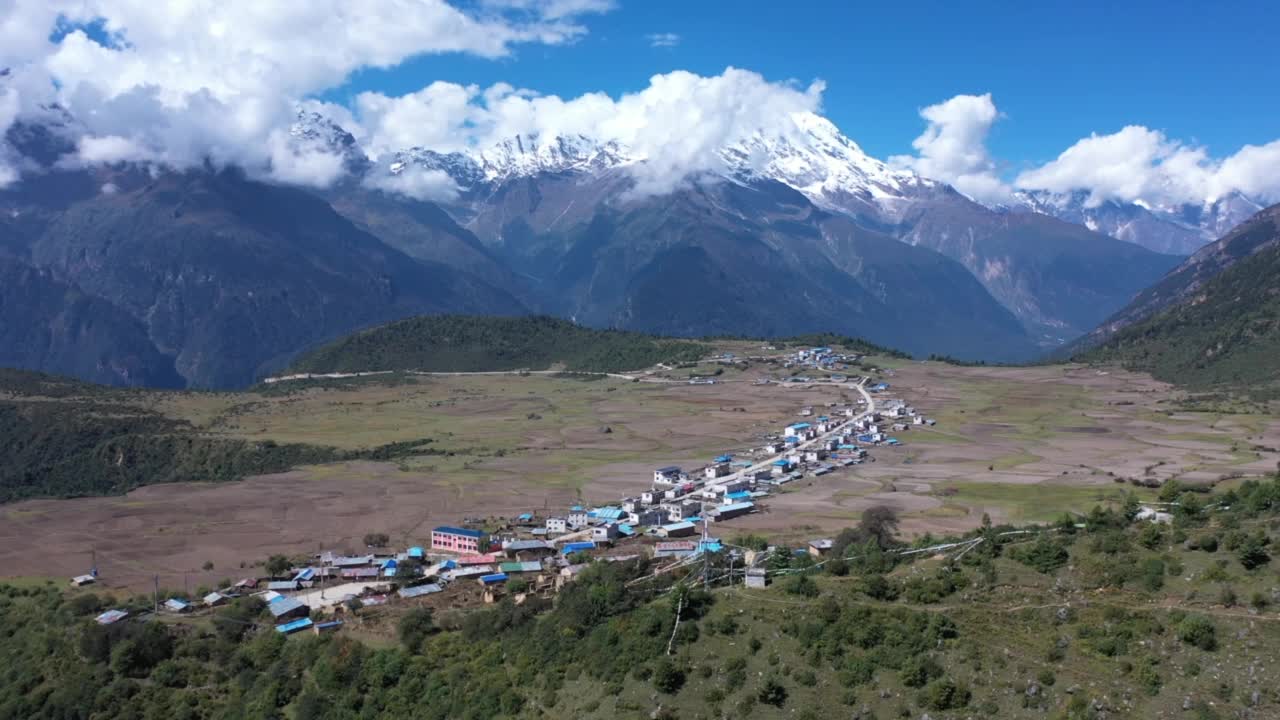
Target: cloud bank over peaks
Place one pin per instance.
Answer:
(181, 83)
(1134, 164)
(953, 147)
(674, 127)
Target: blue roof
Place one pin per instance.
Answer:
(327, 625)
(577, 547)
(284, 606)
(678, 526)
(735, 506)
(800, 426)
(669, 469)
(390, 564)
(416, 552)
(792, 440)
(465, 532)
(494, 578)
(738, 495)
(306, 574)
(525, 516)
(576, 508)
(294, 626)
(626, 529)
(724, 458)
(609, 513)
(782, 463)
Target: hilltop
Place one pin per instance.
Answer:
(461, 343)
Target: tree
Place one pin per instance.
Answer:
(415, 626)
(879, 523)
(1253, 552)
(278, 565)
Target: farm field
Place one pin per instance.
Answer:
(1018, 444)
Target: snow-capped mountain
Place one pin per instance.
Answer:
(1173, 230)
(820, 162)
(814, 158)
(520, 156)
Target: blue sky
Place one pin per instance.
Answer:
(1203, 73)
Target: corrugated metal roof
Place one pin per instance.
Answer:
(735, 507)
(494, 578)
(519, 567)
(518, 545)
(419, 590)
(577, 547)
(282, 585)
(111, 616)
(284, 606)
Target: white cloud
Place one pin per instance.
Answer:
(181, 83)
(9, 107)
(416, 182)
(1135, 163)
(953, 147)
(676, 125)
(663, 40)
(1138, 163)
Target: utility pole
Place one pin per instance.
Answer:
(156, 596)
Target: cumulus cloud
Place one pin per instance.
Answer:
(1134, 164)
(416, 182)
(663, 40)
(675, 126)
(953, 147)
(182, 83)
(1138, 163)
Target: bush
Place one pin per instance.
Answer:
(802, 585)
(667, 677)
(1045, 555)
(772, 692)
(1253, 552)
(1199, 631)
(944, 694)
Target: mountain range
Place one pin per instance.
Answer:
(221, 277)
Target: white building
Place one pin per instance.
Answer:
(557, 525)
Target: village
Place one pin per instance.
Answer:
(671, 518)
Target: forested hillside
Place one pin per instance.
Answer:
(1100, 616)
(1225, 336)
(64, 438)
(459, 343)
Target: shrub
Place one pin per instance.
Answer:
(803, 585)
(667, 677)
(944, 694)
(1199, 631)
(772, 692)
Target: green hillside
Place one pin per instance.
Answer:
(459, 343)
(66, 438)
(1101, 616)
(1225, 336)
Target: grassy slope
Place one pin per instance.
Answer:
(64, 438)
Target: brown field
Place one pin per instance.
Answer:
(1020, 444)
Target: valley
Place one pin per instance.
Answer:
(1016, 444)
